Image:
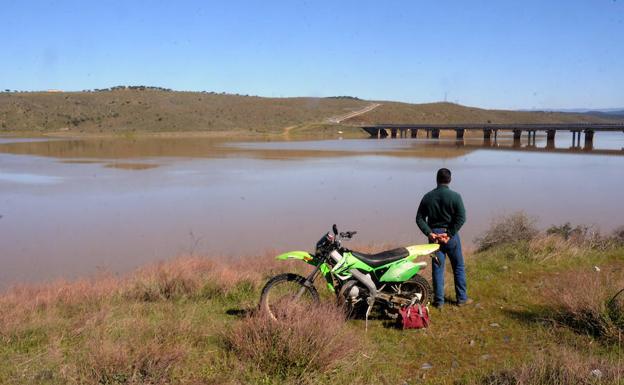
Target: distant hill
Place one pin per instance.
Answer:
(149, 109)
(144, 109)
(394, 112)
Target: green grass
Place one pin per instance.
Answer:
(169, 324)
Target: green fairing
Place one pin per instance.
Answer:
(349, 262)
(309, 258)
(401, 270)
(397, 271)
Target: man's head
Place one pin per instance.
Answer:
(443, 176)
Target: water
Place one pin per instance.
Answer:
(72, 207)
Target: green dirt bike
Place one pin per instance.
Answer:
(359, 280)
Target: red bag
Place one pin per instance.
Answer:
(414, 317)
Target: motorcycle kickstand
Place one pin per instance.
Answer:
(371, 302)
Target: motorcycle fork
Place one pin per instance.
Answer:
(309, 281)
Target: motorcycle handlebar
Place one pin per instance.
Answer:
(348, 234)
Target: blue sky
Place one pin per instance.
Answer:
(495, 54)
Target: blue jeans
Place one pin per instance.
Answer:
(454, 252)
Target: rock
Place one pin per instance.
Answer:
(454, 364)
(472, 343)
(596, 373)
(485, 357)
(505, 267)
(426, 366)
(597, 269)
(506, 339)
(494, 325)
(478, 305)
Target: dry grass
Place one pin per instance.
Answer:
(302, 344)
(559, 367)
(393, 112)
(585, 302)
(515, 227)
(127, 111)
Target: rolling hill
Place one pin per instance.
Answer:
(145, 109)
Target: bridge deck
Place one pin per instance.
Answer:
(519, 126)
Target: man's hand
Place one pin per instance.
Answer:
(443, 238)
(433, 237)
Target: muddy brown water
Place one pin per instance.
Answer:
(74, 207)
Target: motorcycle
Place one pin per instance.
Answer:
(389, 279)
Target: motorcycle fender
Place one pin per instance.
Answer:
(420, 250)
(402, 271)
(309, 258)
(302, 255)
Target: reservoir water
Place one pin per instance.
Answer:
(73, 207)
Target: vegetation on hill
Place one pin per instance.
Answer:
(152, 109)
(393, 112)
(155, 110)
(545, 312)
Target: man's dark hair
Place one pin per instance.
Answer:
(443, 176)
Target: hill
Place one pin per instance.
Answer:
(146, 109)
(163, 111)
(394, 112)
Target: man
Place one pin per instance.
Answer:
(440, 215)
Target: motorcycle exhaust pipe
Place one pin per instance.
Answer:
(366, 280)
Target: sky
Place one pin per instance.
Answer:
(492, 54)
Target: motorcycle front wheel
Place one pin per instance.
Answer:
(285, 293)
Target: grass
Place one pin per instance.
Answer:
(394, 112)
(130, 112)
(127, 112)
(191, 320)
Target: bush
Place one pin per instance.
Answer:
(587, 303)
(562, 367)
(515, 227)
(304, 341)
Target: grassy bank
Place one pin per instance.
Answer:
(542, 315)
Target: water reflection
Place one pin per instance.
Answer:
(85, 150)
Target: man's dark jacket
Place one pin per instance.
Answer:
(441, 208)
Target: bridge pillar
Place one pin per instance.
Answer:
(487, 133)
(393, 132)
(459, 133)
(495, 134)
(576, 142)
(517, 134)
(414, 132)
(550, 138)
(435, 133)
(589, 138)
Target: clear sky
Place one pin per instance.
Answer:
(494, 54)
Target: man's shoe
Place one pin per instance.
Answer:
(466, 302)
(438, 306)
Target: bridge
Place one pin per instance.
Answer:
(489, 130)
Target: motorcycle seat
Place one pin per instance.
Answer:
(379, 259)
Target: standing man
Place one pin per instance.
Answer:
(440, 215)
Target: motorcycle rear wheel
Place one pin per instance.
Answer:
(286, 292)
(417, 285)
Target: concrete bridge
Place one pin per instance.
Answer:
(489, 130)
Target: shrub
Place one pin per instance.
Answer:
(587, 302)
(507, 229)
(561, 367)
(304, 341)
